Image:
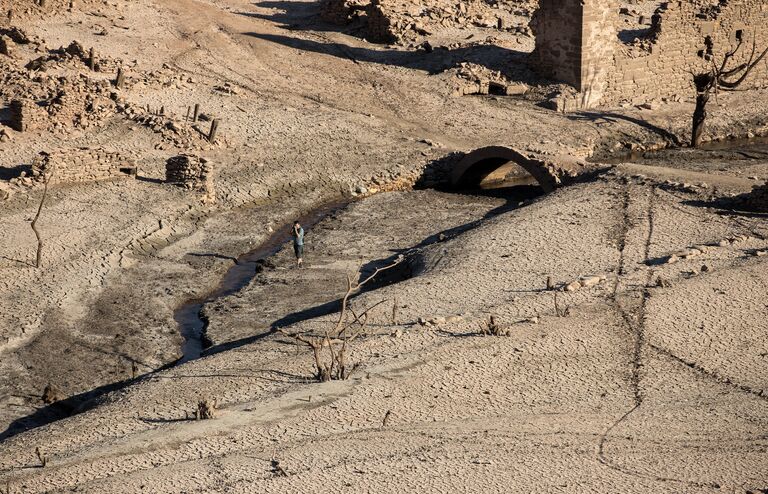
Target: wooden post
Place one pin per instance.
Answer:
(500, 24)
(394, 311)
(189, 110)
(214, 128)
(196, 113)
(92, 59)
(120, 79)
(162, 110)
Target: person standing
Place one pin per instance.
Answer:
(298, 243)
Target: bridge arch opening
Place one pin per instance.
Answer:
(496, 167)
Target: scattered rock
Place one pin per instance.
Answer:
(51, 394)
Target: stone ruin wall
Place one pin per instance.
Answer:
(82, 165)
(662, 68)
(192, 172)
(557, 26)
(577, 42)
(27, 115)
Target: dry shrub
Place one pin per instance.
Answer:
(51, 394)
(561, 312)
(206, 409)
(332, 365)
(41, 457)
(491, 327)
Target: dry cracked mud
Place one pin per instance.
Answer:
(643, 369)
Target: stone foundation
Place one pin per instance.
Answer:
(82, 165)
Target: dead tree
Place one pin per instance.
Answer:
(720, 77)
(37, 217)
(354, 287)
(334, 367)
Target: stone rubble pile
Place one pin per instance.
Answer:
(403, 21)
(757, 200)
(55, 103)
(74, 55)
(343, 11)
(471, 78)
(15, 10)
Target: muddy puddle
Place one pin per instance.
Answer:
(727, 151)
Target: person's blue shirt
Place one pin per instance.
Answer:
(298, 237)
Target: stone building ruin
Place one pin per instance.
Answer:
(578, 42)
(71, 165)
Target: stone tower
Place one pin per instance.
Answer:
(575, 44)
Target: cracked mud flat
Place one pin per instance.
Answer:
(640, 389)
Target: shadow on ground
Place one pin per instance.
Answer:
(434, 62)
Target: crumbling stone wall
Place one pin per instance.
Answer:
(557, 26)
(577, 42)
(192, 172)
(26, 115)
(659, 66)
(82, 165)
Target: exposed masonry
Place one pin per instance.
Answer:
(192, 172)
(26, 115)
(82, 165)
(577, 42)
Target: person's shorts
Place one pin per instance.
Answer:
(298, 250)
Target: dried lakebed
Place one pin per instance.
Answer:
(361, 236)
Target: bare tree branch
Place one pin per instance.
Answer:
(354, 287)
(37, 217)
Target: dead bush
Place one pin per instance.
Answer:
(491, 327)
(332, 365)
(663, 282)
(206, 409)
(277, 469)
(561, 312)
(41, 457)
(51, 394)
(39, 255)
